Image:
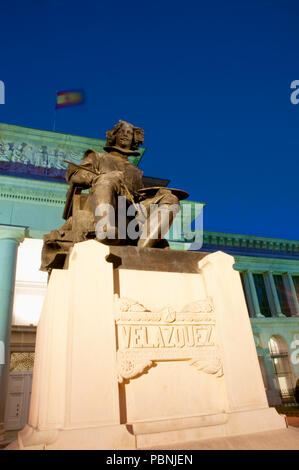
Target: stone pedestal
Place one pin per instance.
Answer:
(144, 347)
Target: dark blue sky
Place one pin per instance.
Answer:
(209, 81)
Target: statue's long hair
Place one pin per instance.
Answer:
(138, 135)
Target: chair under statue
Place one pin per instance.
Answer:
(79, 226)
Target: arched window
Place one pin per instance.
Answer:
(283, 374)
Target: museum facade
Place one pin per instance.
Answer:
(32, 198)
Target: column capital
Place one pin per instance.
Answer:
(12, 232)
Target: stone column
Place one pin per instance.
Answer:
(291, 294)
(272, 295)
(10, 237)
(251, 295)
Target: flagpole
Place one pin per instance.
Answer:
(54, 119)
(54, 126)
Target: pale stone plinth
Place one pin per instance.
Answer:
(132, 358)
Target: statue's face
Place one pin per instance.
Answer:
(124, 137)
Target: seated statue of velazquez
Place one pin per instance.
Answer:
(117, 209)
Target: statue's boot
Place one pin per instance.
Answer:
(156, 226)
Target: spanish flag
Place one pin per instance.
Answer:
(69, 98)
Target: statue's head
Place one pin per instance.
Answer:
(124, 136)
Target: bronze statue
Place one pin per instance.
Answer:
(115, 188)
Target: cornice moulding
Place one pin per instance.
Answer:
(275, 321)
(32, 191)
(250, 241)
(261, 265)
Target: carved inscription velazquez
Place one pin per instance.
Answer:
(145, 337)
(167, 336)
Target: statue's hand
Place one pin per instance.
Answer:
(83, 177)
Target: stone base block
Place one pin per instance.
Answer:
(144, 347)
(151, 434)
(92, 438)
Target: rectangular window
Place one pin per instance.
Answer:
(282, 295)
(262, 294)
